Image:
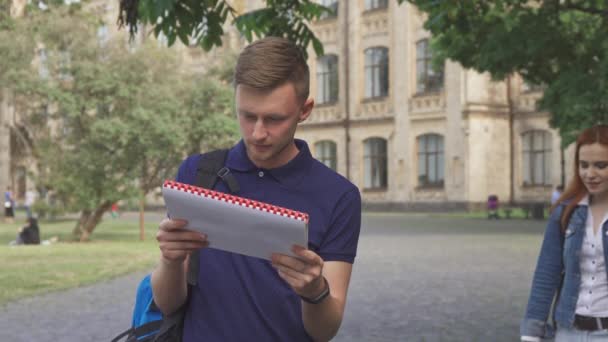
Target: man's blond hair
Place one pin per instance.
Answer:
(271, 62)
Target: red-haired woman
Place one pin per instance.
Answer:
(574, 255)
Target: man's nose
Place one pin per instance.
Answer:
(259, 131)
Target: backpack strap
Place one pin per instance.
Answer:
(135, 334)
(209, 170)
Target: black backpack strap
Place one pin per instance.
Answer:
(134, 334)
(210, 168)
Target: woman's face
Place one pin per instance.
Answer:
(593, 168)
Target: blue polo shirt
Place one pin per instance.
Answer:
(241, 298)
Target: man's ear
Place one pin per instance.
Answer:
(306, 110)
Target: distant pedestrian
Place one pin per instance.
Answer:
(28, 234)
(114, 210)
(493, 207)
(572, 267)
(30, 198)
(557, 192)
(9, 206)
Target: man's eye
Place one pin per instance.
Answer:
(601, 166)
(583, 165)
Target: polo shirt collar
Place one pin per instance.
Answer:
(289, 174)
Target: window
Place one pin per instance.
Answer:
(374, 4)
(536, 158)
(428, 79)
(43, 67)
(162, 40)
(430, 160)
(375, 163)
(528, 87)
(376, 72)
(65, 65)
(325, 152)
(331, 4)
(102, 35)
(327, 79)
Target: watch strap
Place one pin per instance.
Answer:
(318, 299)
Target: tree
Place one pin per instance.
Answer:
(118, 121)
(558, 44)
(202, 22)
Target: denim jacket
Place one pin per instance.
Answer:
(558, 252)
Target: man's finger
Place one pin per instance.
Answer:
(180, 235)
(188, 245)
(308, 255)
(172, 224)
(289, 261)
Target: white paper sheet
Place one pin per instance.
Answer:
(235, 227)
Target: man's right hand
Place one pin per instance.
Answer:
(176, 243)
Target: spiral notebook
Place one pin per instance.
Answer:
(234, 223)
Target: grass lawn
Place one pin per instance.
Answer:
(114, 250)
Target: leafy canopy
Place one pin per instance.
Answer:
(561, 45)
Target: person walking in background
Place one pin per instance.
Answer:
(557, 192)
(572, 267)
(30, 198)
(9, 206)
(114, 210)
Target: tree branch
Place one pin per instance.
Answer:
(568, 5)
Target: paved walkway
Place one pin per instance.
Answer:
(416, 278)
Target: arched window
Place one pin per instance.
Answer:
(428, 78)
(376, 72)
(375, 163)
(536, 154)
(325, 152)
(375, 4)
(327, 79)
(430, 160)
(331, 4)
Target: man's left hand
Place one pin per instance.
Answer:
(303, 274)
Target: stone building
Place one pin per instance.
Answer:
(411, 136)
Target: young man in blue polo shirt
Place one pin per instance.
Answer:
(240, 298)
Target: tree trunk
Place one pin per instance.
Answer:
(89, 220)
(142, 202)
(78, 229)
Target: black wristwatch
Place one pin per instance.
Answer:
(318, 299)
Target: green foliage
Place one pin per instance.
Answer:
(202, 22)
(118, 121)
(559, 44)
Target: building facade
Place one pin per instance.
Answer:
(413, 136)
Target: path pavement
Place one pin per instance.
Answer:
(416, 278)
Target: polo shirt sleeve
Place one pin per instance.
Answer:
(187, 170)
(340, 241)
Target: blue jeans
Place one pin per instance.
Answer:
(574, 335)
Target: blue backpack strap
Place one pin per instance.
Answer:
(145, 310)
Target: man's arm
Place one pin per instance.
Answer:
(323, 320)
(305, 275)
(169, 285)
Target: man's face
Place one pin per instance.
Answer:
(593, 168)
(268, 121)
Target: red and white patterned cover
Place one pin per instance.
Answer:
(234, 223)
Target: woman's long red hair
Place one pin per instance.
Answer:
(575, 191)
